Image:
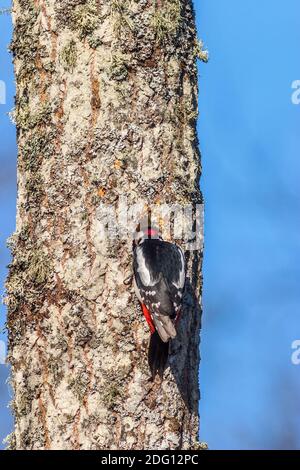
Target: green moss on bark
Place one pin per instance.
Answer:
(166, 19)
(69, 56)
(25, 42)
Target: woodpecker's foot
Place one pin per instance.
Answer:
(128, 280)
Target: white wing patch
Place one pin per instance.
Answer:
(180, 284)
(142, 269)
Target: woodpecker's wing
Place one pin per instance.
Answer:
(159, 270)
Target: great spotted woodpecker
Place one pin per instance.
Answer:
(159, 279)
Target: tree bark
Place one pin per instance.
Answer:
(106, 106)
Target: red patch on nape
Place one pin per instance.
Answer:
(147, 315)
(151, 232)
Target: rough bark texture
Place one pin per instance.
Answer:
(106, 105)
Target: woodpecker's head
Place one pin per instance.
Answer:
(146, 232)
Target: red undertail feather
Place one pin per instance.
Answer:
(147, 315)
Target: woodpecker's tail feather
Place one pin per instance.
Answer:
(164, 326)
(157, 355)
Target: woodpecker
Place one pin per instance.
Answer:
(159, 274)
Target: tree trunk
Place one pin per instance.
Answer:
(106, 107)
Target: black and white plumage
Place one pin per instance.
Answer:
(159, 279)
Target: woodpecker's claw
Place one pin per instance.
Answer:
(128, 280)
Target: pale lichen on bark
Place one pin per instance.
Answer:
(106, 105)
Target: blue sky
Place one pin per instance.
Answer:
(250, 140)
(249, 136)
(7, 195)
